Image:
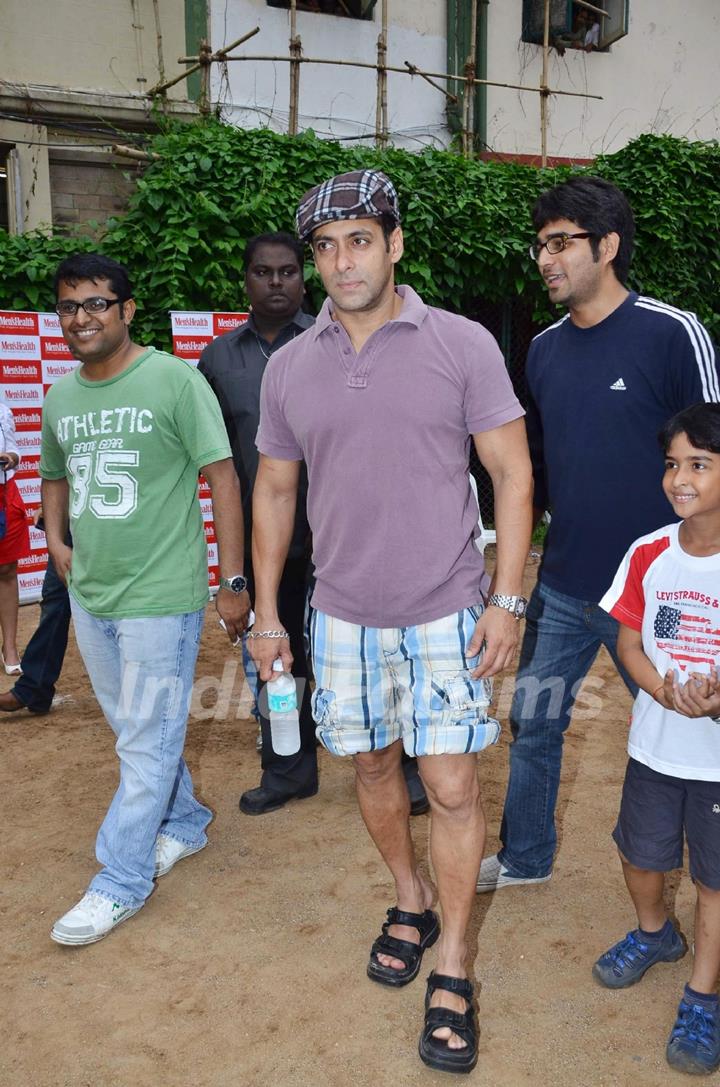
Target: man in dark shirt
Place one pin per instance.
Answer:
(602, 381)
(234, 365)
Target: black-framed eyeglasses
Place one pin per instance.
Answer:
(90, 305)
(555, 243)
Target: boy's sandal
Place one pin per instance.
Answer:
(435, 1052)
(428, 926)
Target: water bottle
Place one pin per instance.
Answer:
(284, 720)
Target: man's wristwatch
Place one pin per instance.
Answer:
(236, 584)
(515, 604)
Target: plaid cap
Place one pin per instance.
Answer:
(361, 194)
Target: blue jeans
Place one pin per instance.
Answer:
(562, 638)
(43, 659)
(142, 673)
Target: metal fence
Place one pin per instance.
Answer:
(512, 326)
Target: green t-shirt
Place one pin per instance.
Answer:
(131, 448)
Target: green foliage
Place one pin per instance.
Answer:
(466, 223)
(674, 188)
(27, 267)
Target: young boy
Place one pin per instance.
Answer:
(666, 595)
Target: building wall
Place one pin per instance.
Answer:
(73, 71)
(28, 190)
(337, 102)
(109, 46)
(87, 190)
(663, 76)
(73, 74)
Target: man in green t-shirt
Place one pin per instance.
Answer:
(124, 437)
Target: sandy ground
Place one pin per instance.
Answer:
(246, 968)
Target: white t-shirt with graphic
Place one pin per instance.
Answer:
(673, 599)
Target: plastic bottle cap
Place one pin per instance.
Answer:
(277, 665)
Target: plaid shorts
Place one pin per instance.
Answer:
(378, 685)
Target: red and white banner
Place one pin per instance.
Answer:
(191, 333)
(33, 355)
(194, 331)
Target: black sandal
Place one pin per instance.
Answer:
(427, 924)
(435, 1052)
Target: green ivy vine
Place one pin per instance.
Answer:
(467, 223)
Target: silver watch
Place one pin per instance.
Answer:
(515, 604)
(236, 584)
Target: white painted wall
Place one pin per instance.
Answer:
(336, 102)
(90, 45)
(663, 77)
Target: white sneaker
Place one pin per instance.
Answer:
(91, 919)
(493, 875)
(168, 851)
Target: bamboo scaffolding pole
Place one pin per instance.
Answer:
(449, 76)
(381, 105)
(197, 63)
(206, 57)
(468, 132)
(544, 87)
(134, 153)
(385, 6)
(296, 57)
(468, 78)
(158, 37)
(416, 71)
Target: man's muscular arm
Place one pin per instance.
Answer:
(504, 453)
(274, 501)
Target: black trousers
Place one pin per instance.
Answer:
(43, 659)
(291, 773)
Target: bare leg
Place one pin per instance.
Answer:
(9, 611)
(706, 968)
(457, 839)
(646, 891)
(385, 808)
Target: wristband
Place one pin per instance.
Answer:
(267, 634)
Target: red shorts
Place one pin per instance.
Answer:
(16, 542)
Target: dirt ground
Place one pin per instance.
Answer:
(246, 968)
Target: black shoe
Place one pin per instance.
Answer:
(435, 1052)
(259, 801)
(419, 803)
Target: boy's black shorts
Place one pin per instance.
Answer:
(657, 811)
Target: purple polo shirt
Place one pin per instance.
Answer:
(385, 435)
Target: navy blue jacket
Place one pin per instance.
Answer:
(597, 399)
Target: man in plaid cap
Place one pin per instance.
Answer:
(381, 399)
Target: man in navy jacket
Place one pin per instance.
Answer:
(602, 381)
